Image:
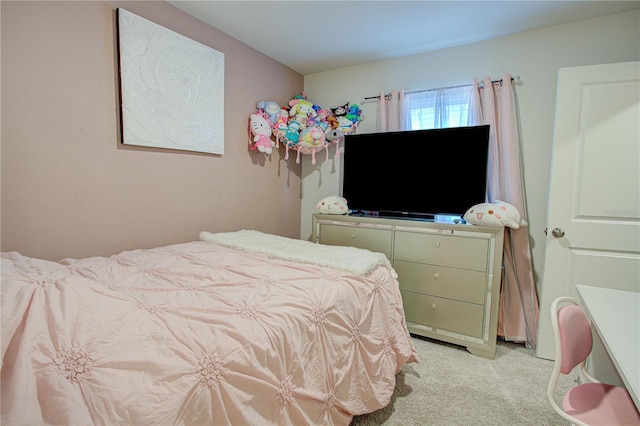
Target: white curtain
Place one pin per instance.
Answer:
(439, 108)
(495, 104)
(391, 111)
(426, 109)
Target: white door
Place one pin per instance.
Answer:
(594, 197)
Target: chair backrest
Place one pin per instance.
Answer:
(573, 327)
(592, 402)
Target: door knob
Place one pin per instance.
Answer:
(557, 232)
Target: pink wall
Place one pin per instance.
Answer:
(71, 189)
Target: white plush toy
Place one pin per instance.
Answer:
(514, 220)
(260, 130)
(332, 204)
(494, 215)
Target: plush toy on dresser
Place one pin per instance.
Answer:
(333, 204)
(494, 215)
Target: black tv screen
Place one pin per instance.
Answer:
(417, 173)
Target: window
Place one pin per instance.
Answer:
(439, 108)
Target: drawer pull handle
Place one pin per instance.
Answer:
(436, 276)
(437, 243)
(434, 306)
(353, 236)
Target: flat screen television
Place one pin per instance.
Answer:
(416, 173)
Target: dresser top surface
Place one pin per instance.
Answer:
(401, 223)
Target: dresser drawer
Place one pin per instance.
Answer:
(436, 312)
(452, 283)
(367, 238)
(444, 250)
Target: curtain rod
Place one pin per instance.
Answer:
(515, 79)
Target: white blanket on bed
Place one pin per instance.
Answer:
(349, 259)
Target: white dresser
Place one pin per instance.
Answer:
(449, 275)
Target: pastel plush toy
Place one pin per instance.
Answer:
(345, 125)
(323, 125)
(494, 215)
(333, 134)
(272, 109)
(292, 135)
(323, 114)
(321, 119)
(303, 120)
(261, 132)
(332, 204)
(312, 136)
(281, 124)
(302, 107)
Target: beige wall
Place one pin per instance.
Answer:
(70, 189)
(535, 56)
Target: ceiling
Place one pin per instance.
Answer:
(313, 36)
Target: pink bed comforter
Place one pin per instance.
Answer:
(197, 333)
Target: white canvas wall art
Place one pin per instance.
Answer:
(171, 88)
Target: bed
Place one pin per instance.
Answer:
(241, 328)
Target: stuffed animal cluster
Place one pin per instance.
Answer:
(301, 125)
(494, 215)
(347, 116)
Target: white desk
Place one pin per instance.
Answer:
(615, 314)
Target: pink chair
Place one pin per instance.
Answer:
(592, 402)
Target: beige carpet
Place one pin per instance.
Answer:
(452, 387)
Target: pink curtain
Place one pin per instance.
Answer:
(391, 111)
(494, 104)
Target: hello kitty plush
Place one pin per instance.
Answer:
(261, 132)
